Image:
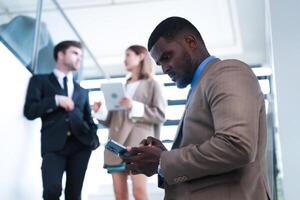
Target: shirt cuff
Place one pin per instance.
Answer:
(159, 170)
(56, 100)
(101, 114)
(137, 110)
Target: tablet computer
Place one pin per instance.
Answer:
(113, 92)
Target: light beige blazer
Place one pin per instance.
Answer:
(130, 132)
(220, 152)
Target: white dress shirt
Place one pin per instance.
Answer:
(60, 78)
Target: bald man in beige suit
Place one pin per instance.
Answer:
(219, 150)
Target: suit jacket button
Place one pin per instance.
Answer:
(49, 110)
(67, 119)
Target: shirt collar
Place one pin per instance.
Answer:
(199, 70)
(60, 75)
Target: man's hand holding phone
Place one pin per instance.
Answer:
(116, 148)
(145, 158)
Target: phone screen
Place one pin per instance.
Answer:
(116, 148)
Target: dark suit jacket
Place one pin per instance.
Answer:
(219, 152)
(56, 122)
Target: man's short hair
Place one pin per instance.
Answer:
(171, 27)
(64, 45)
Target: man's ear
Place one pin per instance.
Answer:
(60, 55)
(142, 56)
(191, 41)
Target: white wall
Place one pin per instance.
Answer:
(20, 145)
(284, 41)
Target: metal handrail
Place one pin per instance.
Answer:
(36, 42)
(80, 38)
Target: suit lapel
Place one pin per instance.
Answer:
(180, 126)
(179, 133)
(55, 83)
(139, 90)
(76, 91)
(178, 137)
(179, 130)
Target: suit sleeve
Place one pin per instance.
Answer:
(35, 105)
(154, 113)
(92, 126)
(88, 117)
(235, 101)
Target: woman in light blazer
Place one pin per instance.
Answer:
(143, 118)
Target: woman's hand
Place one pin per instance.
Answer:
(126, 102)
(96, 106)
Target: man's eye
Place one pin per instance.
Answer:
(166, 57)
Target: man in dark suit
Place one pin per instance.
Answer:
(68, 131)
(219, 150)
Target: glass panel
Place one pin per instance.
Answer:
(17, 28)
(265, 86)
(55, 28)
(175, 112)
(262, 71)
(167, 135)
(174, 93)
(96, 83)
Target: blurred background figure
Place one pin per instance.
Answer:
(143, 117)
(68, 130)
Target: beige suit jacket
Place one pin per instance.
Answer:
(131, 131)
(219, 152)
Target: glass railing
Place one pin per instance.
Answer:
(19, 30)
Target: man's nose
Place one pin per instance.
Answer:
(165, 68)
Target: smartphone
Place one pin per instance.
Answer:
(116, 148)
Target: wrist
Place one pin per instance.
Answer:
(56, 98)
(159, 169)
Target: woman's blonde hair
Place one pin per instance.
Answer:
(147, 64)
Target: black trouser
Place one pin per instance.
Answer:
(73, 159)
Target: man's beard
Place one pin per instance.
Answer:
(70, 66)
(188, 75)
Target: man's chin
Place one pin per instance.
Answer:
(180, 84)
(75, 68)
